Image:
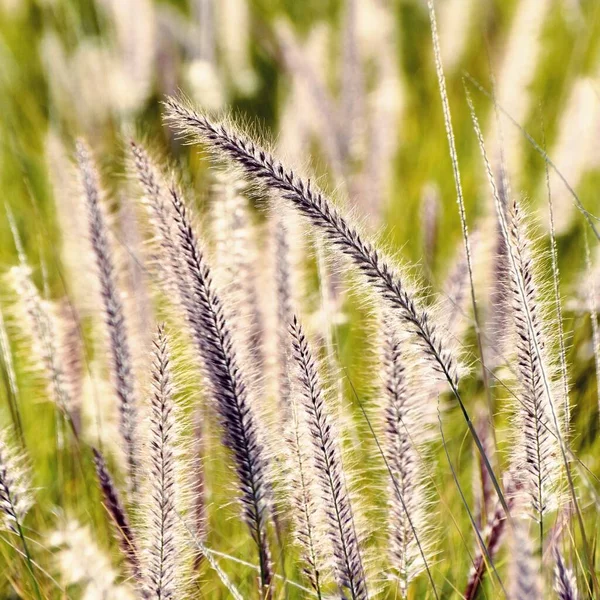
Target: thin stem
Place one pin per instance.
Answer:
(28, 560)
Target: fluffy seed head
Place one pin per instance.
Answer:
(349, 570)
(15, 500)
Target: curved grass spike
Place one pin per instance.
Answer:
(210, 331)
(563, 447)
(405, 423)
(328, 467)
(162, 527)
(259, 164)
(113, 314)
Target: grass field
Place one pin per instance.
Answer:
(346, 92)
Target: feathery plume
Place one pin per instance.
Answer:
(327, 462)
(319, 210)
(162, 530)
(135, 281)
(210, 330)
(134, 32)
(538, 450)
(541, 440)
(77, 263)
(113, 313)
(456, 17)
(406, 425)
(558, 304)
(564, 580)
(456, 302)
(498, 310)
(234, 27)
(380, 49)
(15, 501)
(118, 514)
(257, 163)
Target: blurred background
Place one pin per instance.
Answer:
(345, 89)
(351, 82)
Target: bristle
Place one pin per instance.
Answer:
(350, 574)
(406, 429)
(564, 580)
(558, 308)
(163, 553)
(498, 316)
(210, 330)
(121, 364)
(116, 510)
(15, 500)
(310, 202)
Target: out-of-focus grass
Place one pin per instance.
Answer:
(63, 476)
